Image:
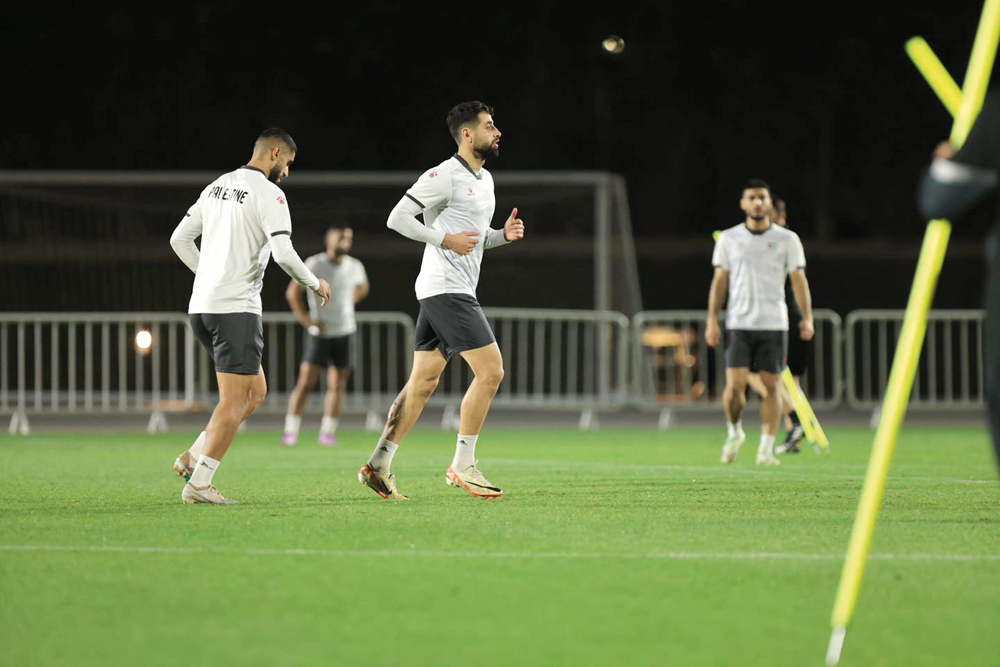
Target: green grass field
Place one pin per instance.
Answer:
(610, 548)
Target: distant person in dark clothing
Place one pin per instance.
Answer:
(956, 182)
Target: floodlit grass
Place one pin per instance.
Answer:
(609, 548)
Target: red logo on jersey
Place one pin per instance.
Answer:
(472, 193)
(432, 174)
(281, 200)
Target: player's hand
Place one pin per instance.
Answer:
(806, 329)
(462, 243)
(713, 334)
(513, 229)
(944, 151)
(323, 292)
(315, 324)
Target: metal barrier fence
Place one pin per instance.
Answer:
(674, 367)
(950, 373)
(553, 359)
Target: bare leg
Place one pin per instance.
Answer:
(336, 389)
(308, 375)
(770, 410)
(239, 396)
(734, 397)
(753, 379)
(487, 366)
(409, 404)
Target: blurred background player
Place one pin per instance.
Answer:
(954, 184)
(751, 263)
(331, 332)
(800, 353)
(457, 201)
(242, 218)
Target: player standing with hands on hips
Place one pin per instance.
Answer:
(457, 201)
(751, 261)
(242, 218)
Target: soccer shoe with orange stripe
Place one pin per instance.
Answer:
(207, 495)
(384, 484)
(732, 446)
(184, 465)
(473, 482)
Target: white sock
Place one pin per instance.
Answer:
(292, 424)
(198, 447)
(204, 471)
(465, 452)
(381, 459)
(766, 444)
(733, 429)
(329, 425)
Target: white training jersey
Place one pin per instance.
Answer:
(239, 212)
(455, 199)
(758, 263)
(338, 315)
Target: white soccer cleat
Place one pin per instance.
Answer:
(208, 495)
(384, 484)
(473, 482)
(732, 447)
(767, 459)
(184, 465)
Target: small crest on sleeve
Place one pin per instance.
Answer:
(432, 174)
(281, 200)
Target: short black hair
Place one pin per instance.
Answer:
(465, 113)
(756, 184)
(272, 134)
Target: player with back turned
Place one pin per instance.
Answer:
(751, 262)
(242, 218)
(457, 202)
(955, 183)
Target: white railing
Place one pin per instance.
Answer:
(674, 367)
(553, 359)
(950, 372)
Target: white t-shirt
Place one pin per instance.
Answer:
(455, 199)
(758, 263)
(338, 315)
(239, 212)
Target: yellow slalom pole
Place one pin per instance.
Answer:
(977, 76)
(904, 367)
(935, 73)
(801, 406)
(911, 339)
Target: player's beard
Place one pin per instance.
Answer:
(486, 152)
(275, 175)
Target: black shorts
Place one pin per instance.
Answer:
(328, 352)
(451, 323)
(800, 352)
(235, 341)
(757, 350)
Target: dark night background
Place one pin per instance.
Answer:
(819, 100)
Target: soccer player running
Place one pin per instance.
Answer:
(242, 218)
(331, 332)
(457, 201)
(751, 262)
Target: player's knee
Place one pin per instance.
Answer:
(425, 386)
(492, 376)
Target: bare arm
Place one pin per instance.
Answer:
(361, 291)
(294, 295)
(800, 288)
(716, 300)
